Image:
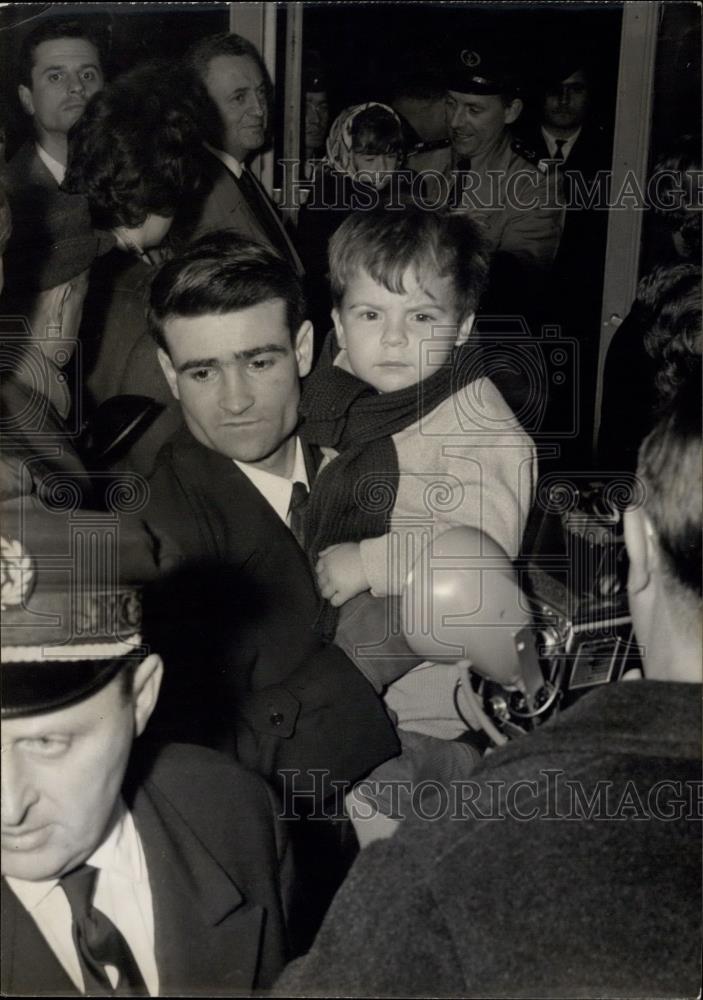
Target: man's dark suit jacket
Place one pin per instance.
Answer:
(30, 185)
(220, 877)
(582, 247)
(224, 206)
(590, 153)
(245, 672)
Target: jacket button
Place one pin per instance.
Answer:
(276, 719)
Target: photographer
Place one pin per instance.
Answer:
(590, 883)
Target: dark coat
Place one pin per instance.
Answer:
(482, 903)
(590, 153)
(235, 628)
(220, 876)
(222, 205)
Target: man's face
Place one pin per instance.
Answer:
(61, 778)
(394, 340)
(317, 119)
(237, 87)
(566, 104)
(65, 74)
(237, 379)
(476, 121)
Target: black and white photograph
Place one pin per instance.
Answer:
(351, 499)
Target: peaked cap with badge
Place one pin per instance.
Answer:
(485, 65)
(71, 605)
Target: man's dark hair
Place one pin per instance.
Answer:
(197, 60)
(221, 273)
(135, 149)
(49, 30)
(670, 467)
(385, 244)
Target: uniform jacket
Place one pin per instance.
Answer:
(510, 197)
(225, 207)
(241, 640)
(519, 891)
(220, 876)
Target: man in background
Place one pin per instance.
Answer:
(574, 147)
(126, 870)
(490, 176)
(232, 97)
(60, 68)
(317, 114)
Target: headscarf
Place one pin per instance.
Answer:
(339, 140)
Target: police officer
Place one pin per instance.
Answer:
(488, 173)
(125, 871)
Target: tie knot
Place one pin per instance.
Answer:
(298, 496)
(79, 886)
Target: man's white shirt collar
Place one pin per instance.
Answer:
(56, 169)
(119, 860)
(551, 141)
(277, 489)
(231, 162)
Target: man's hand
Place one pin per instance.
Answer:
(340, 573)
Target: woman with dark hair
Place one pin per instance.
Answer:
(360, 172)
(136, 155)
(657, 348)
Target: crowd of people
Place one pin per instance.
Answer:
(227, 444)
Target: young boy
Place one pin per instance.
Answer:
(416, 439)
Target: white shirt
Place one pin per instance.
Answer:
(277, 489)
(551, 142)
(123, 894)
(231, 162)
(56, 169)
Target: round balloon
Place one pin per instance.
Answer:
(462, 601)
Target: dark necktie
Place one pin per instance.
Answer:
(463, 166)
(260, 205)
(559, 151)
(296, 511)
(97, 940)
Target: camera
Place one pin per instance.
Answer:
(574, 577)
